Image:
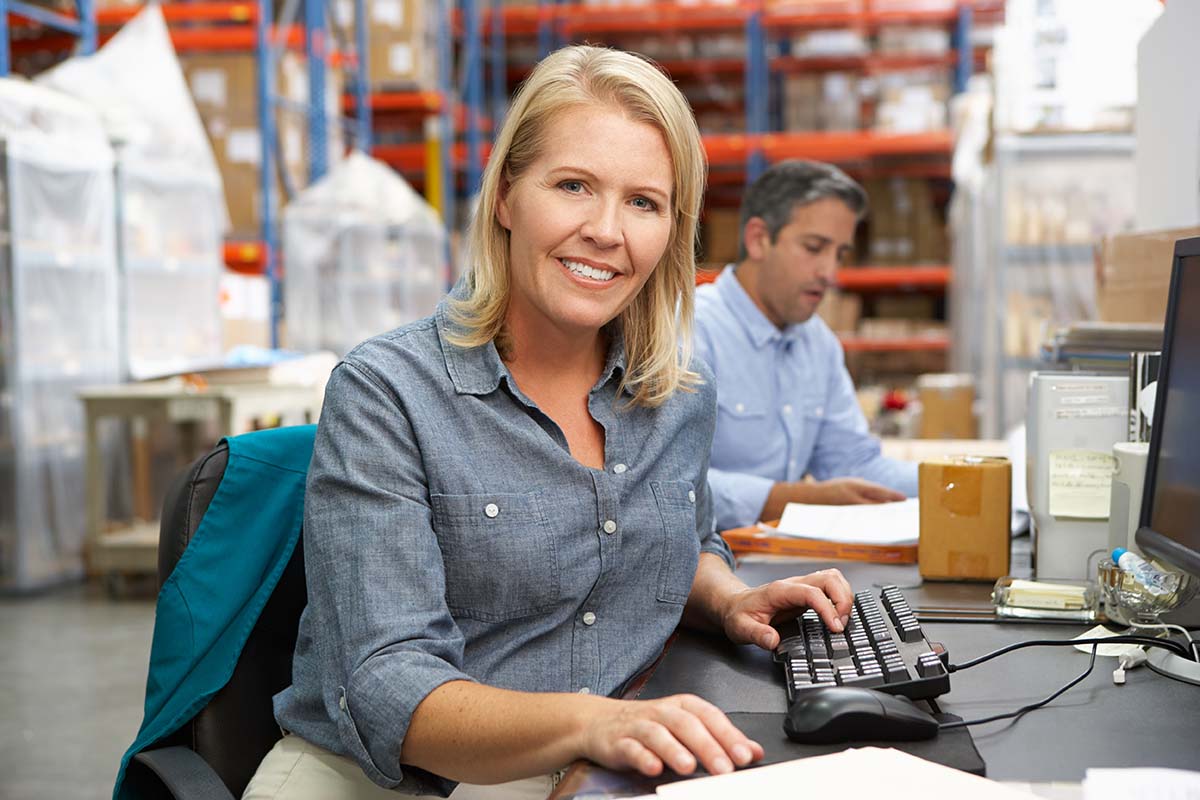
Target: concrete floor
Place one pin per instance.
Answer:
(72, 682)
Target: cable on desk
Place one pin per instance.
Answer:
(1147, 641)
(1020, 712)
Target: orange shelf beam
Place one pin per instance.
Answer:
(184, 12)
(399, 102)
(650, 18)
(859, 344)
(880, 278)
(855, 145)
(248, 257)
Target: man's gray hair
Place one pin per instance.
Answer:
(790, 184)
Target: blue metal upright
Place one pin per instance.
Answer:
(546, 33)
(445, 125)
(961, 41)
(316, 51)
(499, 66)
(265, 91)
(83, 26)
(472, 53)
(362, 105)
(756, 87)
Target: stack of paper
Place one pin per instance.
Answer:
(863, 772)
(883, 524)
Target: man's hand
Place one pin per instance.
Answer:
(852, 491)
(749, 613)
(835, 492)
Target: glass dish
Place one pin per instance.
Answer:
(1126, 600)
(1011, 601)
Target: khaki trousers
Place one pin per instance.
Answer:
(299, 770)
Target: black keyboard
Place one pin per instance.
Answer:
(883, 647)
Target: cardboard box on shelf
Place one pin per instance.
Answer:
(966, 505)
(245, 310)
(223, 87)
(1133, 274)
(720, 235)
(947, 406)
(840, 310)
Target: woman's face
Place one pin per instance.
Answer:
(589, 220)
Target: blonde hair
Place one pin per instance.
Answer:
(657, 324)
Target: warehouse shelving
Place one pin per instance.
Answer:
(81, 26)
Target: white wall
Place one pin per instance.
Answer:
(1167, 154)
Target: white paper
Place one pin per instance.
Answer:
(400, 59)
(243, 146)
(861, 772)
(1080, 483)
(1142, 783)
(209, 86)
(879, 524)
(388, 12)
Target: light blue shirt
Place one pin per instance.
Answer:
(785, 406)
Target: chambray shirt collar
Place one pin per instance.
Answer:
(479, 370)
(760, 330)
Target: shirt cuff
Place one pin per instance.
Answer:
(375, 711)
(738, 498)
(717, 545)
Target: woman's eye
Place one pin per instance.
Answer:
(815, 249)
(645, 204)
(574, 187)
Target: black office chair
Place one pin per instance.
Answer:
(215, 754)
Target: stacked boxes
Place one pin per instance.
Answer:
(223, 86)
(401, 51)
(905, 225)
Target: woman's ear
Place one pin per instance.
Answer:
(503, 212)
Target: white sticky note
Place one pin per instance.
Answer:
(243, 146)
(388, 12)
(1080, 483)
(400, 59)
(209, 86)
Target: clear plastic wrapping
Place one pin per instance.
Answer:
(363, 254)
(58, 325)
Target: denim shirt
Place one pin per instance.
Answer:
(786, 406)
(450, 535)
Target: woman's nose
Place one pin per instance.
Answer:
(603, 225)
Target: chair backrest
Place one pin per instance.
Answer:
(237, 727)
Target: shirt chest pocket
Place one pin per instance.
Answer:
(676, 502)
(740, 423)
(499, 555)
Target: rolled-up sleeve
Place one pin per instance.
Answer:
(846, 447)
(375, 576)
(738, 497)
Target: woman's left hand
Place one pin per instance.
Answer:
(748, 616)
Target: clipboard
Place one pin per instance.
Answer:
(760, 538)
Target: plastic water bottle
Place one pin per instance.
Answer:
(1156, 582)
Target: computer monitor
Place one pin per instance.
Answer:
(1169, 526)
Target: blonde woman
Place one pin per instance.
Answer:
(507, 510)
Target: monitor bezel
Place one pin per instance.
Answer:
(1156, 544)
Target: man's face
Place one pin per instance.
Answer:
(801, 264)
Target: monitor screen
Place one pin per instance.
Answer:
(1170, 521)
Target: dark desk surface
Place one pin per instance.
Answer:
(1151, 721)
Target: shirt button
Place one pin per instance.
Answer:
(787, 409)
(739, 408)
(691, 495)
(342, 702)
(589, 618)
(585, 690)
(819, 411)
(619, 469)
(491, 509)
(610, 526)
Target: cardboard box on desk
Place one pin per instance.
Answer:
(966, 505)
(1133, 274)
(947, 406)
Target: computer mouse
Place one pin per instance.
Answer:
(830, 714)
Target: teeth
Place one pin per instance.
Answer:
(588, 272)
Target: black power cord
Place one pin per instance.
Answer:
(1147, 641)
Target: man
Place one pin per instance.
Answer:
(786, 405)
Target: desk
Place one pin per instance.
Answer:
(235, 407)
(1150, 721)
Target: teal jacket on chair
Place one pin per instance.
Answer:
(209, 604)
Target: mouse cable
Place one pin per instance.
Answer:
(1022, 711)
(1129, 638)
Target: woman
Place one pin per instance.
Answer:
(507, 509)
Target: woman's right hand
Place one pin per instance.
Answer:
(678, 732)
